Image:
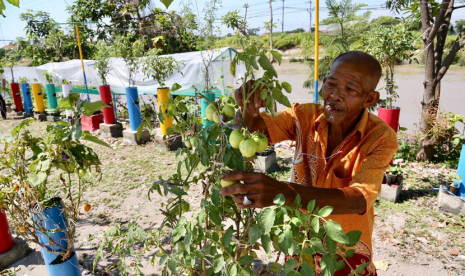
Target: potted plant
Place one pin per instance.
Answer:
(44, 210)
(26, 91)
(38, 97)
(103, 68)
(51, 93)
(389, 44)
(9, 61)
(131, 50)
(160, 68)
(393, 182)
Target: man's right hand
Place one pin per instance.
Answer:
(252, 110)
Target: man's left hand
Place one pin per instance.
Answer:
(258, 188)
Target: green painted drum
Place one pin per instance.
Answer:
(51, 96)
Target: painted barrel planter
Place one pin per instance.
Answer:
(17, 97)
(53, 220)
(163, 102)
(132, 97)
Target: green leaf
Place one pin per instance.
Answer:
(90, 108)
(266, 220)
(215, 215)
(311, 205)
(76, 130)
(307, 270)
(139, 130)
(172, 265)
(361, 268)
(287, 87)
(331, 245)
(277, 56)
(266, 243)
(354, 237)
(325, 211)
(163, 259)
(316, 224)
(245, 260)
(279, 97)
(232, 270)
(288, 238)
(176, 86)
(276, 268)
(297, 201)
(350, 253)
(178, 232)
(253, 62)
(218, 263)
(199, 254)
(265, 63)
(328, 265)
(177, 191)
(37, 179)
(254, 234)
(167, 3)
(14, 2)
(317, 245)
(335, 232)
(290, 265)
(216, 197)
(340, 265)
(227, 237)
(279, 200)
(95, 139)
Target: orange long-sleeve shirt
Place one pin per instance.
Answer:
(359, 161)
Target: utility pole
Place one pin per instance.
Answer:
(310, 12)
(282, 20)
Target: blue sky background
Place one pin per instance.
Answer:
(295, 13)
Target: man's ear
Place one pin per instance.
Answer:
(371, 99)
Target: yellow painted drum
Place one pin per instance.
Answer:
(163, 101)
(38, 97)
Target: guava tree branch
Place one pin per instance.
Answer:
(446, 6)
(458, 44)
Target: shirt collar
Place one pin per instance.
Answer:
(360, 127)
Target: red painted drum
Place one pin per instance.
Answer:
(390, 116)
(108, 112)
(6, 240)
(17, 97)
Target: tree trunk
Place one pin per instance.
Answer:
(433, 65)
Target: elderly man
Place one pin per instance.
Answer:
(342, 151)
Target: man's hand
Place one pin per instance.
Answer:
(252, 108)
(259, 188)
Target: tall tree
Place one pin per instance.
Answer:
(3, 7)
(435, 20)
(341, 13)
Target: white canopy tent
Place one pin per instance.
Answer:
(192, 73)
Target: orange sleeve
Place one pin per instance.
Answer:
(282, 126)
(369, 176)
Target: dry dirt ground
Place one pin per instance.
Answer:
(410, 237)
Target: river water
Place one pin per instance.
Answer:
(409, 79)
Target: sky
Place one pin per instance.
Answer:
(296, 13)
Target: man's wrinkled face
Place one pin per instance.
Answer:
(343, 94)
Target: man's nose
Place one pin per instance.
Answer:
(337, 94)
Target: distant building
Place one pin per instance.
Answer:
(10, 46)
(324, 31)
(264, 34)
